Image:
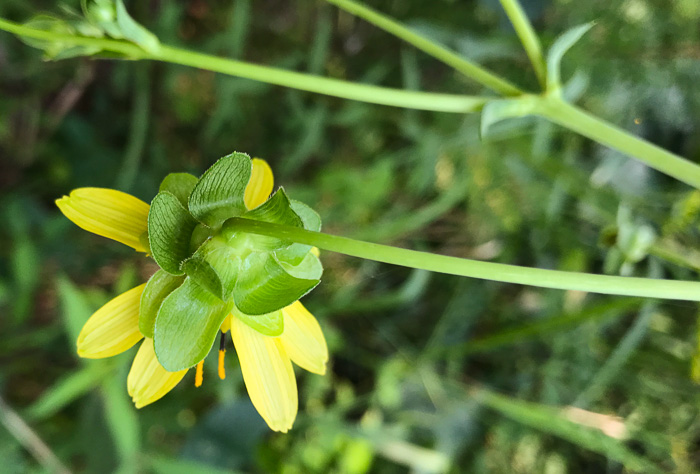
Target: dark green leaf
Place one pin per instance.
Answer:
(170, 229)
(179, 184)
(157, 289)
(219, 193)
(264, 286)
(271, 324)
(186, 326)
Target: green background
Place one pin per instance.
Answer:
(428, 373)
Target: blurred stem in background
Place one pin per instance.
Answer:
(24, 434)
(552, 107)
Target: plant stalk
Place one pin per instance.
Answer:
(612, 285)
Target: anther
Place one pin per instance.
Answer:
(199, 374)
(222, 353)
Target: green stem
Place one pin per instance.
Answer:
(295, 80)
(528, 38)
(452, 59)
(323, 85)
(597, 129)
(613, 285)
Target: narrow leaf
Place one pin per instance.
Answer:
(271, 324)
(264, 285)
(498, 110)
(562, 44)
(186, 326)
(219, 193)
(180, 185)
(157, 289)
(170, 229)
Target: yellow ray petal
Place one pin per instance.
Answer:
(113, 328)
(268, 375)
(260, 184)
(109, 213)
(148, 381)
(303, 339)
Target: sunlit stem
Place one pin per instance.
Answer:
(295, 80)
(644, 287)
(452, 59)
(528, 37)
(597, 129)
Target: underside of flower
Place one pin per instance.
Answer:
(214, 280)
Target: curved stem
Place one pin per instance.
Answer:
(452, 59)
(597, 129)
(323, 85)
(295, 80)
(613, 285)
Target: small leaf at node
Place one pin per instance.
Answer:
(170, 229)
(187, 325)
(219, 193)
(562, 44)
(157, 289)
(135, 32)
(179, 184)
(270, 324)
(264, 286)
(498, 110)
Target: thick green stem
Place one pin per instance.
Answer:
(528, 38)
(597, 129)
(452, 59)
(644, 287)
(295, 80)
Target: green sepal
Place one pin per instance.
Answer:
(160, 285)
(170, 229)
(134, 32)
(219, 193)
(277, 210)
(270, 324)
(265, 285)
(186, 326)
(202, 272)
(103, 15)
(179, 184)
(309, 268)
(561, 45)
(296, 252)
(217, 257)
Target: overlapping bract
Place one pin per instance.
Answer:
(205, 273)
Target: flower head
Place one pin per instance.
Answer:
(213, 281)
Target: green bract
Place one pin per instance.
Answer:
(210, 269)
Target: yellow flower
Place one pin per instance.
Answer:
(266, 362)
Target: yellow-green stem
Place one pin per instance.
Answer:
(613, 285)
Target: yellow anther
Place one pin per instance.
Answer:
(222, 370)
(199, 375)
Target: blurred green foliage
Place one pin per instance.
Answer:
(429, 373)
